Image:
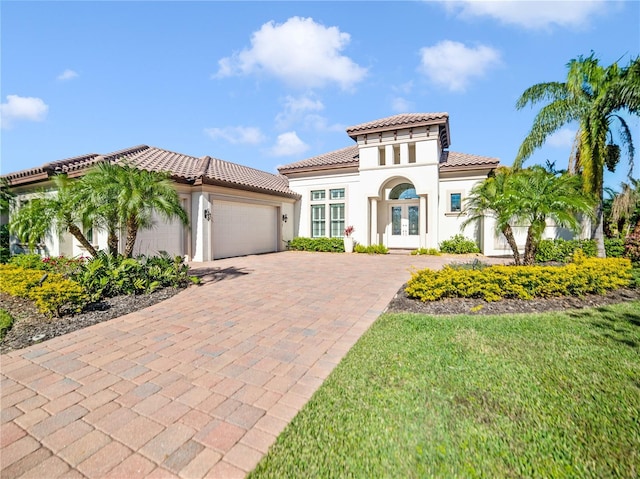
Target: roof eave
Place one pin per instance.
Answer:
(353, 134)
(311, 169)
(255, 189)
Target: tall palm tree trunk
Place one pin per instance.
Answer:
(132, 233)
(77, 234)
(529, 248)
(597, 230)
(511, 241)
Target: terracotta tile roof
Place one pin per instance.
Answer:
(404, 120)
(450, 160)
(348, 157)
(183, 168)
(224, 172)
(343, 158)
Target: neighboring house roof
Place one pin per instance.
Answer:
(404, 120)
(182, 168)
(348, 157)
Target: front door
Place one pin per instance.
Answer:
(404, 230)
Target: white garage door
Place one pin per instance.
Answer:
(240, 229)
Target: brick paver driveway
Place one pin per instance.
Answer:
(199, 385)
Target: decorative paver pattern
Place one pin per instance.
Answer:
(199, 385)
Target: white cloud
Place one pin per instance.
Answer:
(453, 65)
(562, 138)
(22, 108)
(300, 52)
(296, 109)
(401, 105)
(67, 75)
(289, 144)
(530, 14)
(237, 134)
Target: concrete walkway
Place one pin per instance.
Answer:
(199, 385)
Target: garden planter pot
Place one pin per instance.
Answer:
(348, 244)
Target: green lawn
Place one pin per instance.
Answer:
(548, 395)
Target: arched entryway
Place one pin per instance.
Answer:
(402, 206)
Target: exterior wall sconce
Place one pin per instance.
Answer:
(207, 214)
(285, 217)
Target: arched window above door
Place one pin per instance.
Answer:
(403, 191)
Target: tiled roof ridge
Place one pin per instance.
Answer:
(117, 155)
(346, 156)
(402, 119)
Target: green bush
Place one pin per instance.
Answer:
(459, 245)
(426, 251)
(28, 261)
(583, 276)
(5, 252)
(371, 249)
(106, 276)
(327, 245)
(51, 292)
(560, 250)
(614, 247)
(6, 321)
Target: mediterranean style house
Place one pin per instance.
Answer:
(398, 185)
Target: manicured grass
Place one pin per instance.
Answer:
(6, 321)
(548, 395)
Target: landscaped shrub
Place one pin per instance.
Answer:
(63, 265)
(6, 321)
(331, 245)
(583, 276)
(426, 251)
(459, 245)
(51, 292)
(5, 252)
(560, 250)
(106, 276)
(371, 249)
(28, 261)
(632, 248)
(614, 247)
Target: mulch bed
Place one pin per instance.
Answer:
(402, 304)
(31, 326)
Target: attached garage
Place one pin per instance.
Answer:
(243, 228)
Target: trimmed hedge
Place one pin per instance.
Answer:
(371, 249)
(327, 245)
(560, 250)
(51, 292)
(458, 244)
(426, 251)
(583, 276)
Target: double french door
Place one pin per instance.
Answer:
(404, 225)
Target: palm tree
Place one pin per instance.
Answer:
(542, 196)
(594, 96)
(47, 212)
(124, 197)
(99, 189)
(494, 197)
(625, 208)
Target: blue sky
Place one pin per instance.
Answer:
(268, 83)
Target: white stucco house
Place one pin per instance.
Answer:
(397, 184)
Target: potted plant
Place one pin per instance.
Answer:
(348, 239)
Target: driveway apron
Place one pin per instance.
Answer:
(199, 385)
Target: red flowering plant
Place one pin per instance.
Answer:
(348, 231)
